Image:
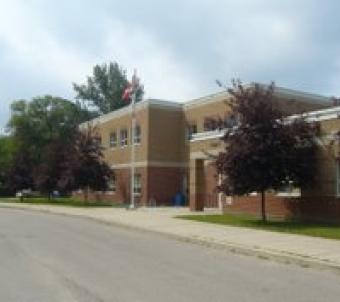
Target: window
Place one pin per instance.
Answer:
(111, 184)
(211, 123)
(230, 121)
(113, 139)
(137, 135)
(137, 184)
(191, 130)
(123, 137)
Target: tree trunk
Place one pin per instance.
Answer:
(86, 194)
(263, 206)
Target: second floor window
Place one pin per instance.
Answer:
(191, 130)
(137, 135)
(123, 137)
(211, 123)
(113, 139)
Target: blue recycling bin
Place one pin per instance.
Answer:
(179, 199)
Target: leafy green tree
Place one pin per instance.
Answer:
(264, 150)
(35, 124)
(41, 129)
(103, 90)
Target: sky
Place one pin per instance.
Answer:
(179, 47)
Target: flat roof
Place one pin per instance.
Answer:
(211, 98)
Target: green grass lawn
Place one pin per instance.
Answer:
(64, 201)
(309, 229)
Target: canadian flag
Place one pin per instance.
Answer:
(127, 93)
(131, 87)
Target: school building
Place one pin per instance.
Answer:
(173, 143)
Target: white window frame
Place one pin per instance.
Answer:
(137, 135)
(123, 140)
(137, 184)
(112, 184)
(113, 142)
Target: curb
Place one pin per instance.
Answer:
(277, 256)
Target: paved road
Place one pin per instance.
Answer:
(51, 258)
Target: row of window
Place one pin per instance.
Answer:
(137, 184)
(123, 137)
(211, 124)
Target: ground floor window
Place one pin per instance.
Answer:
(137, 184)
(112, 184)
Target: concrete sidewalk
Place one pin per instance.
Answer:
(303, 250)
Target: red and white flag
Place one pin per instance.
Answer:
(131, 88)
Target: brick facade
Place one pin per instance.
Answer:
(320, 209)
(170, 161)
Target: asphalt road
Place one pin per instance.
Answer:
(47, 258)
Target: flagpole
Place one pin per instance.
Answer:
(133, 128)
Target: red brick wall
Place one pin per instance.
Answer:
(160, 183)
(317, 210)
(210, 183)
(164, 183)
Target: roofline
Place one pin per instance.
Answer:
(155, 103)
(211, 98)
(278, 91)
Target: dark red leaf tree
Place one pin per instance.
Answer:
(85, 167)
(264, 150)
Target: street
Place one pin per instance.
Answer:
(47, 257)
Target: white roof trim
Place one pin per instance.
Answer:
(139, 106)
(202, 136)
(278, 91)
(312, 116)
(318, 115)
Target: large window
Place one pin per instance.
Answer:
(137, 135)
(123, 137)
(137, 184)
(113, 139)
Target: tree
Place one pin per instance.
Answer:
(85, 167)
(7, 152)
(19, 176)
(41, 128)
(48, 173)
(264, 150)
(34, 124)
(104, 89)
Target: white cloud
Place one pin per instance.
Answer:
(179, 48)
(163, 74)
